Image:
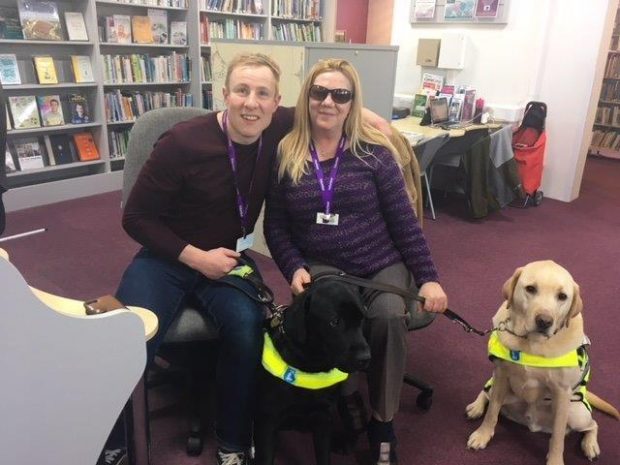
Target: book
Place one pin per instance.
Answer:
(29, 154)
(122, 28)
(46, 71)
(24, 111)
(432, 82)
(142, 32)
(8, 118)
(62, 151)
(10, 26)
(79, 109)
(51, 110)
(178, 33)
(9, 72)
(469, 103)
(159, 25)
(40, 20)
(487, 8)
(9, 163)
(110, 30)
(76, 28)
(419, 105)
(424, 9)
(459, 9)
(82, 69)
(85, 146)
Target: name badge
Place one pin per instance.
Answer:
(330, 219)
(244, 243)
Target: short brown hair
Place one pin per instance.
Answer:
(254, 59)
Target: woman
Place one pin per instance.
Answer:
(339, 202)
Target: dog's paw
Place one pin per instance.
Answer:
(590, 447)
(477, 407)
(479, 439)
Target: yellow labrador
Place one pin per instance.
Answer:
(541, 364)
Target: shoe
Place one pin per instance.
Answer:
(231, 458)
(113, 457)
(382, 442)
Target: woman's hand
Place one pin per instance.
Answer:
(213, 263)
(300, 277)
(436, 299)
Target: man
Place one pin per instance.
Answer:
(193, 210)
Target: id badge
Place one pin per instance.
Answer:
(244, 243)
(330, 219)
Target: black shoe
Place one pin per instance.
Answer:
(113, 457)
(382, 442)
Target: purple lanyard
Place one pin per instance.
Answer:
(242, 202)
(327, 191)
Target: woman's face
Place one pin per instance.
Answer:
(326, 115)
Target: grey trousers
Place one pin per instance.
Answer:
(385, 330)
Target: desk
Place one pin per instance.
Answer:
(412, 124)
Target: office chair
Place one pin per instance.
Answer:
(190, 327)
(425, 153)
(62, 386)
(452, 155)
(413, 171)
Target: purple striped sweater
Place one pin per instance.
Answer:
(377, 226)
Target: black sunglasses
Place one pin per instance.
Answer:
(320, 93)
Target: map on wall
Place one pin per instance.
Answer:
(290, 58)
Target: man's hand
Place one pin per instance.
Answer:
(300, 277)
(213, 263)
(436, 298)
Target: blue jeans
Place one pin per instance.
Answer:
(165, 287)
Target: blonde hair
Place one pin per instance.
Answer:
(254, 59)
(293, 149)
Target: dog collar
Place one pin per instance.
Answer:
(497, 349)
(274, 364)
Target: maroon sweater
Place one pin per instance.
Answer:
(377, 226)
(185, 191)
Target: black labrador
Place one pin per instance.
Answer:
(319, 332)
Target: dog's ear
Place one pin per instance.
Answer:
(577, 304)
(509, 286)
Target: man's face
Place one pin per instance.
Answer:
(251, 99)
(54, 106)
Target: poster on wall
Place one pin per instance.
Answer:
(487, 8)
(424, 9)
(457, 10)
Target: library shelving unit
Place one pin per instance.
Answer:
(121, 91)
(606, 133)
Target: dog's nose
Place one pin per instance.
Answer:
(362, 358)
(543, 322)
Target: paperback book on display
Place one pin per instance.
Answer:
(79, 109)
(9, 163)
(51, 110)
(25, 112)
(46, 70)
(29, 154)
(178, 33)
(159, 25)
(9, 72)
(76, 29)
(40, 20)
(82, 69)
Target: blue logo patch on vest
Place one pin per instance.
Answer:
(515, 355)
(289, 375)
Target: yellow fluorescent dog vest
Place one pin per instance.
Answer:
(575, 358)
(274, 364)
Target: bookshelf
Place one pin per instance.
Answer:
(131, 78)
(606, 130)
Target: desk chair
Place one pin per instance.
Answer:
(425, 153)
(189, 328)
(62, 385)
(452, 153)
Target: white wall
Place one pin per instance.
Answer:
(550, 50)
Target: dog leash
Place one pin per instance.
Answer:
(408, 295)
